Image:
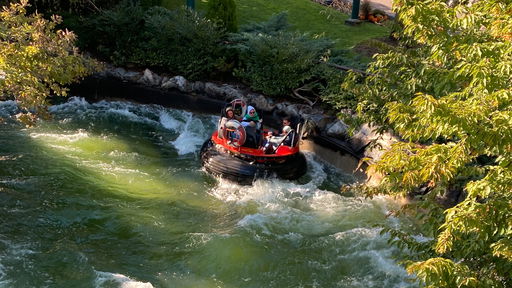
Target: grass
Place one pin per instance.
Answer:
(305, 16)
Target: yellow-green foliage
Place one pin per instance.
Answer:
(36, 60)
(449, 95)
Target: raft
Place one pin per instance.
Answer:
(236, 152)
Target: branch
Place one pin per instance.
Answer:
(297, 95)
(94, 6)
(346, 68)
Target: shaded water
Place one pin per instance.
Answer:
(112, 194)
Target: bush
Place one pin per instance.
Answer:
(280, 61)
(183, 42)
(224, 13)
(179, 41)
(276, 23)
(79, 7)
(114, 34)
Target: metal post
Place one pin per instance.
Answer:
(355, 9)
(191, 4)
(354, 18)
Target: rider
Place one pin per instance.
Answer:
(286, 137)
(288, 132)
(252, 116)
(229, 115)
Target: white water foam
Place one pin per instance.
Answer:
(11, 252)
(74, 105)
(107, 279)
(80, 108)
(170, 122)
(73, 137)
(343, 226)
(8, 108)
(3, 282)
(191, 129)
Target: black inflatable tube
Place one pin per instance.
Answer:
(243, 172)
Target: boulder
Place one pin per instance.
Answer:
(231, 93)
(337, 129)
(177, 82)
(367, 134)
(260, 101)
(226, 92)
(382, 144)
(197, 86)
(150, 78)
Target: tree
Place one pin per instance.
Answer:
(447, 92)
(223, 11)
(35, 60)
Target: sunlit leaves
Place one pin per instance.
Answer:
(448, 93)
(438, 272)
(36, 60)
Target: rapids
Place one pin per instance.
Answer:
(112, 194)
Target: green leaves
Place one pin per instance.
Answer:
(36, 60)
(440, 272)
(278, 61)
(449, 96)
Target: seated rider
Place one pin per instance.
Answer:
(288, 131)
(228, 116)
(252, 116)
(285, 138)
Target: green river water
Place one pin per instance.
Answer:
(112, 194)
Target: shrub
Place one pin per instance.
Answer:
(276, 23)
(224, 13)
(179, 41)
(183, 42)
(80, 7)
(114, 34)
(277, 62)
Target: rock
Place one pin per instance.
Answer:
(226, 92)
(212, 89)
(197, 86)
(181, 83)
(367, 134)
(363, 137)
(337, 129)
(260, 101)
(177, 82)
(231, 93)
(131, 76)
(292, 110)
(382, 144)
(169, 84)
(118, 73)
(282, 105)
(150, 78)
(323, 122)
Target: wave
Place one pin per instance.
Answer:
(107, 279)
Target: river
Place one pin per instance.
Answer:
(112, 194)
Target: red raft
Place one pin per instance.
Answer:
(243, 154)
